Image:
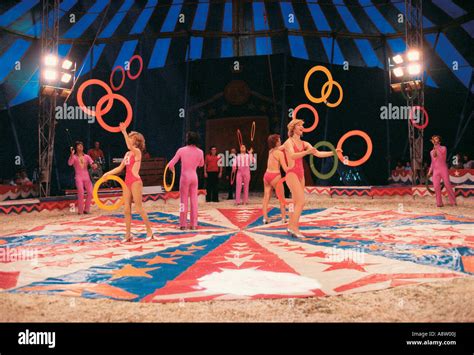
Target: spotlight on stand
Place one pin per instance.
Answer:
(57, 76)
(406, 72)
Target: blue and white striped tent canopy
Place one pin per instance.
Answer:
(361, 29)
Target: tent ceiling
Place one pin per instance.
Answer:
(304, 29)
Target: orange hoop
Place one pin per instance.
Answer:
(239, 138)
(315, 114)
(425, 115)
(367, 154)
(140, 60)
(252, 131)
(80, 92)
(111, 79)
(111, 98)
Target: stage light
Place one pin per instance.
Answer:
(398, 59)
(398, 72)
(58, 76)
(414, 69)
(67, 64)
(413, 55)
(50, 75)
(51, 60)
(65, 78)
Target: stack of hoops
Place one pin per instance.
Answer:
(326, 91)
(100, 111)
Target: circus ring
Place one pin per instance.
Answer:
(363, 258)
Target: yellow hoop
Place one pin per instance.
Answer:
(95, 192)
(168, 188)
(306, 84)
(341, 94)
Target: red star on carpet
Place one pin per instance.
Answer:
(60, 263)
(345, 264)
(316, 254)
(449, 229)
(107, 255)
(140, 248)
(411, 230)
(296, 249)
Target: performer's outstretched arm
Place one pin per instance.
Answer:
(118, 169)
(175, 159)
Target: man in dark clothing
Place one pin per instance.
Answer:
(212, 173)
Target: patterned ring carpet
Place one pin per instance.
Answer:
(233, 255)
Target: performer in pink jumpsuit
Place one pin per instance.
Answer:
(81, 162)
(242, 164)
(191, 158)
(439, 169)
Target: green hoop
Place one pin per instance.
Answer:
(335, 163)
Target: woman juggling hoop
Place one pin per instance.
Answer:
(295, 149)
(133, 193)
(276, 159)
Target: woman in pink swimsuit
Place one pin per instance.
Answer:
(295, 149)
(439, 169)
(276, 158)
(132, 161)
(191, 158)
(81, 162)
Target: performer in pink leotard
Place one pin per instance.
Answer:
(439, 169)
(134, 191)
(242, 164)
(80, 162)
(276, 158)
(191, 158)
(295, 149)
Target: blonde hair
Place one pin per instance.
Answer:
(139, 140)
(291, 126)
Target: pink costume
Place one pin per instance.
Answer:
(82, 180)
(191, 158)
(130, 177)
(298, 167)
(439, 168)
(242, 163)
(269, 176)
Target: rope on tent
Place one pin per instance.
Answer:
(91, 48)
(269, 61)
(460, 131)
